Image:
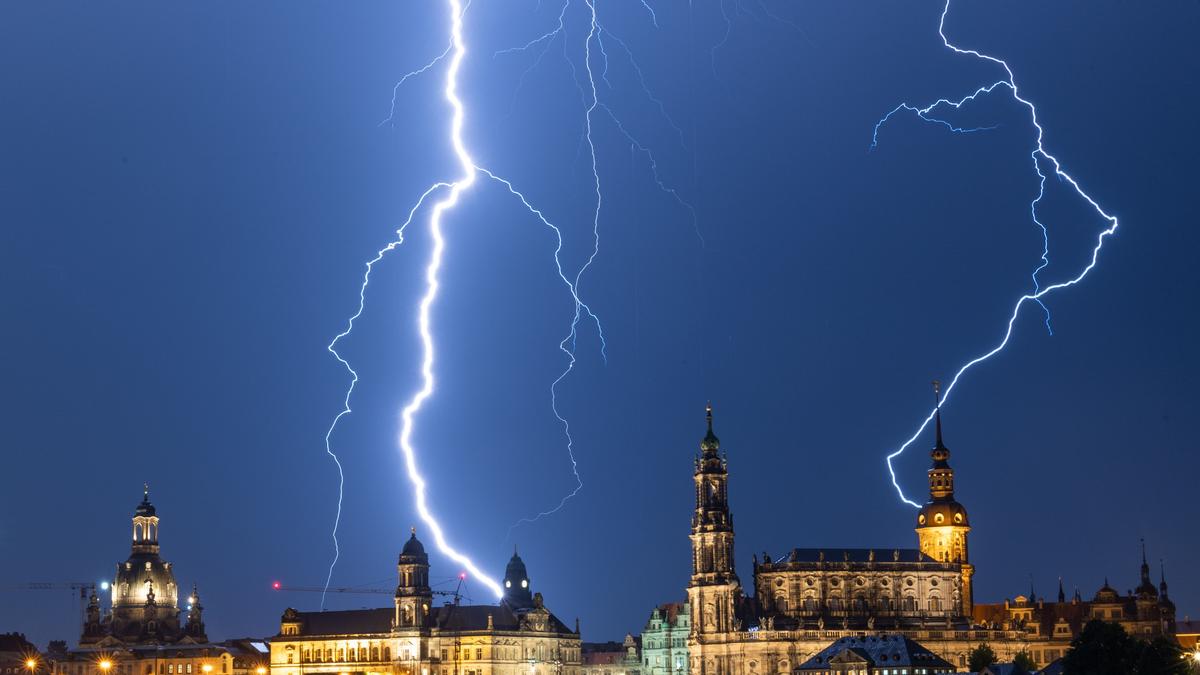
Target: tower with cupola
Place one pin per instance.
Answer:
(942, 523)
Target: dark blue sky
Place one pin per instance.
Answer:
(189, 195)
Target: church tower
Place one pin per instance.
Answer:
(413, 595)
(942, 524)
(714, 588)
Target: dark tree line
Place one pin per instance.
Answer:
(1105, 648)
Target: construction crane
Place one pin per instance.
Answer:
(456, 594)
(85, 588)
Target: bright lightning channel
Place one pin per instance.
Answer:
(1039, 155)
(453, 192)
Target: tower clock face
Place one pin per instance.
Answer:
(524, 583)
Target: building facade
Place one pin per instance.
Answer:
(1145, 612)
(665, 640)
(612, 658)
(809, 597)
(519, 636)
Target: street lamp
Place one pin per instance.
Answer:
(31, 664)
(105, 665)
(207, 668)
(260, 670)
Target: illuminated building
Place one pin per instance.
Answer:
(810, 597)
(665, 640)
(1145, 612)
(19, 656)
(145, 632)
(518, 636)
(875, 655)
(145, 597)
(611, 658)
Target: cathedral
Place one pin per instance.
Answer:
(144, 631)
(145, 597)
(809, 597)
(518, 636)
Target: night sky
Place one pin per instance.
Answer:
(190, 193)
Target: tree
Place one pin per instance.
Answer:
(1106, 649)
(1102, 648)
(1160, 656)
(981, 657)
(1024, 661)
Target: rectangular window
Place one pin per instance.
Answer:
(443, 655)
(478, 653)
(171, 668)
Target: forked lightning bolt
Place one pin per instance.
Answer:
(1040, 158)
(450, 192)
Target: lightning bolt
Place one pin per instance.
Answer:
(1041, 159)
(590, 101)
(451, 194)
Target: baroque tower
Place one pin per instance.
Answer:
(413, 595)
(714, 589)
(942, 524)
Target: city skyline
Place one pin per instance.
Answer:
(193, 193)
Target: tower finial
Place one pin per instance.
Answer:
(1143, 540)
(708, 415)
(146, 491)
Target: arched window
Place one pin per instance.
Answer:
(781, 603)
(935, 604)
(387, 653)
(910, 603)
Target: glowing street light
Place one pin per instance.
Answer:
(31, 664)
(105, 665)
(260, 670)
(206, 667)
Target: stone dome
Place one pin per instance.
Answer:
(939, 513)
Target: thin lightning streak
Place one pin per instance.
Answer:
(653, 16)
(589, 99)
(1038, 155)
(636, 146)
(573, 334)
(641, 77)
(422, 69)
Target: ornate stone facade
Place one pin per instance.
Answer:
(810, 597)
(519, 636)
(665, 640)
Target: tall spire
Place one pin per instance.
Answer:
(711, 443)
(1145, 567)
(1062, 597)
(937, 411)
(1162, 578)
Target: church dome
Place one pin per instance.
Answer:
(939, 513)
(1106, 594)
(140, 575)
(413, 548)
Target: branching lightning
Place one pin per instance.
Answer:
(452, 193)
(1041, 157)
(590, 101)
